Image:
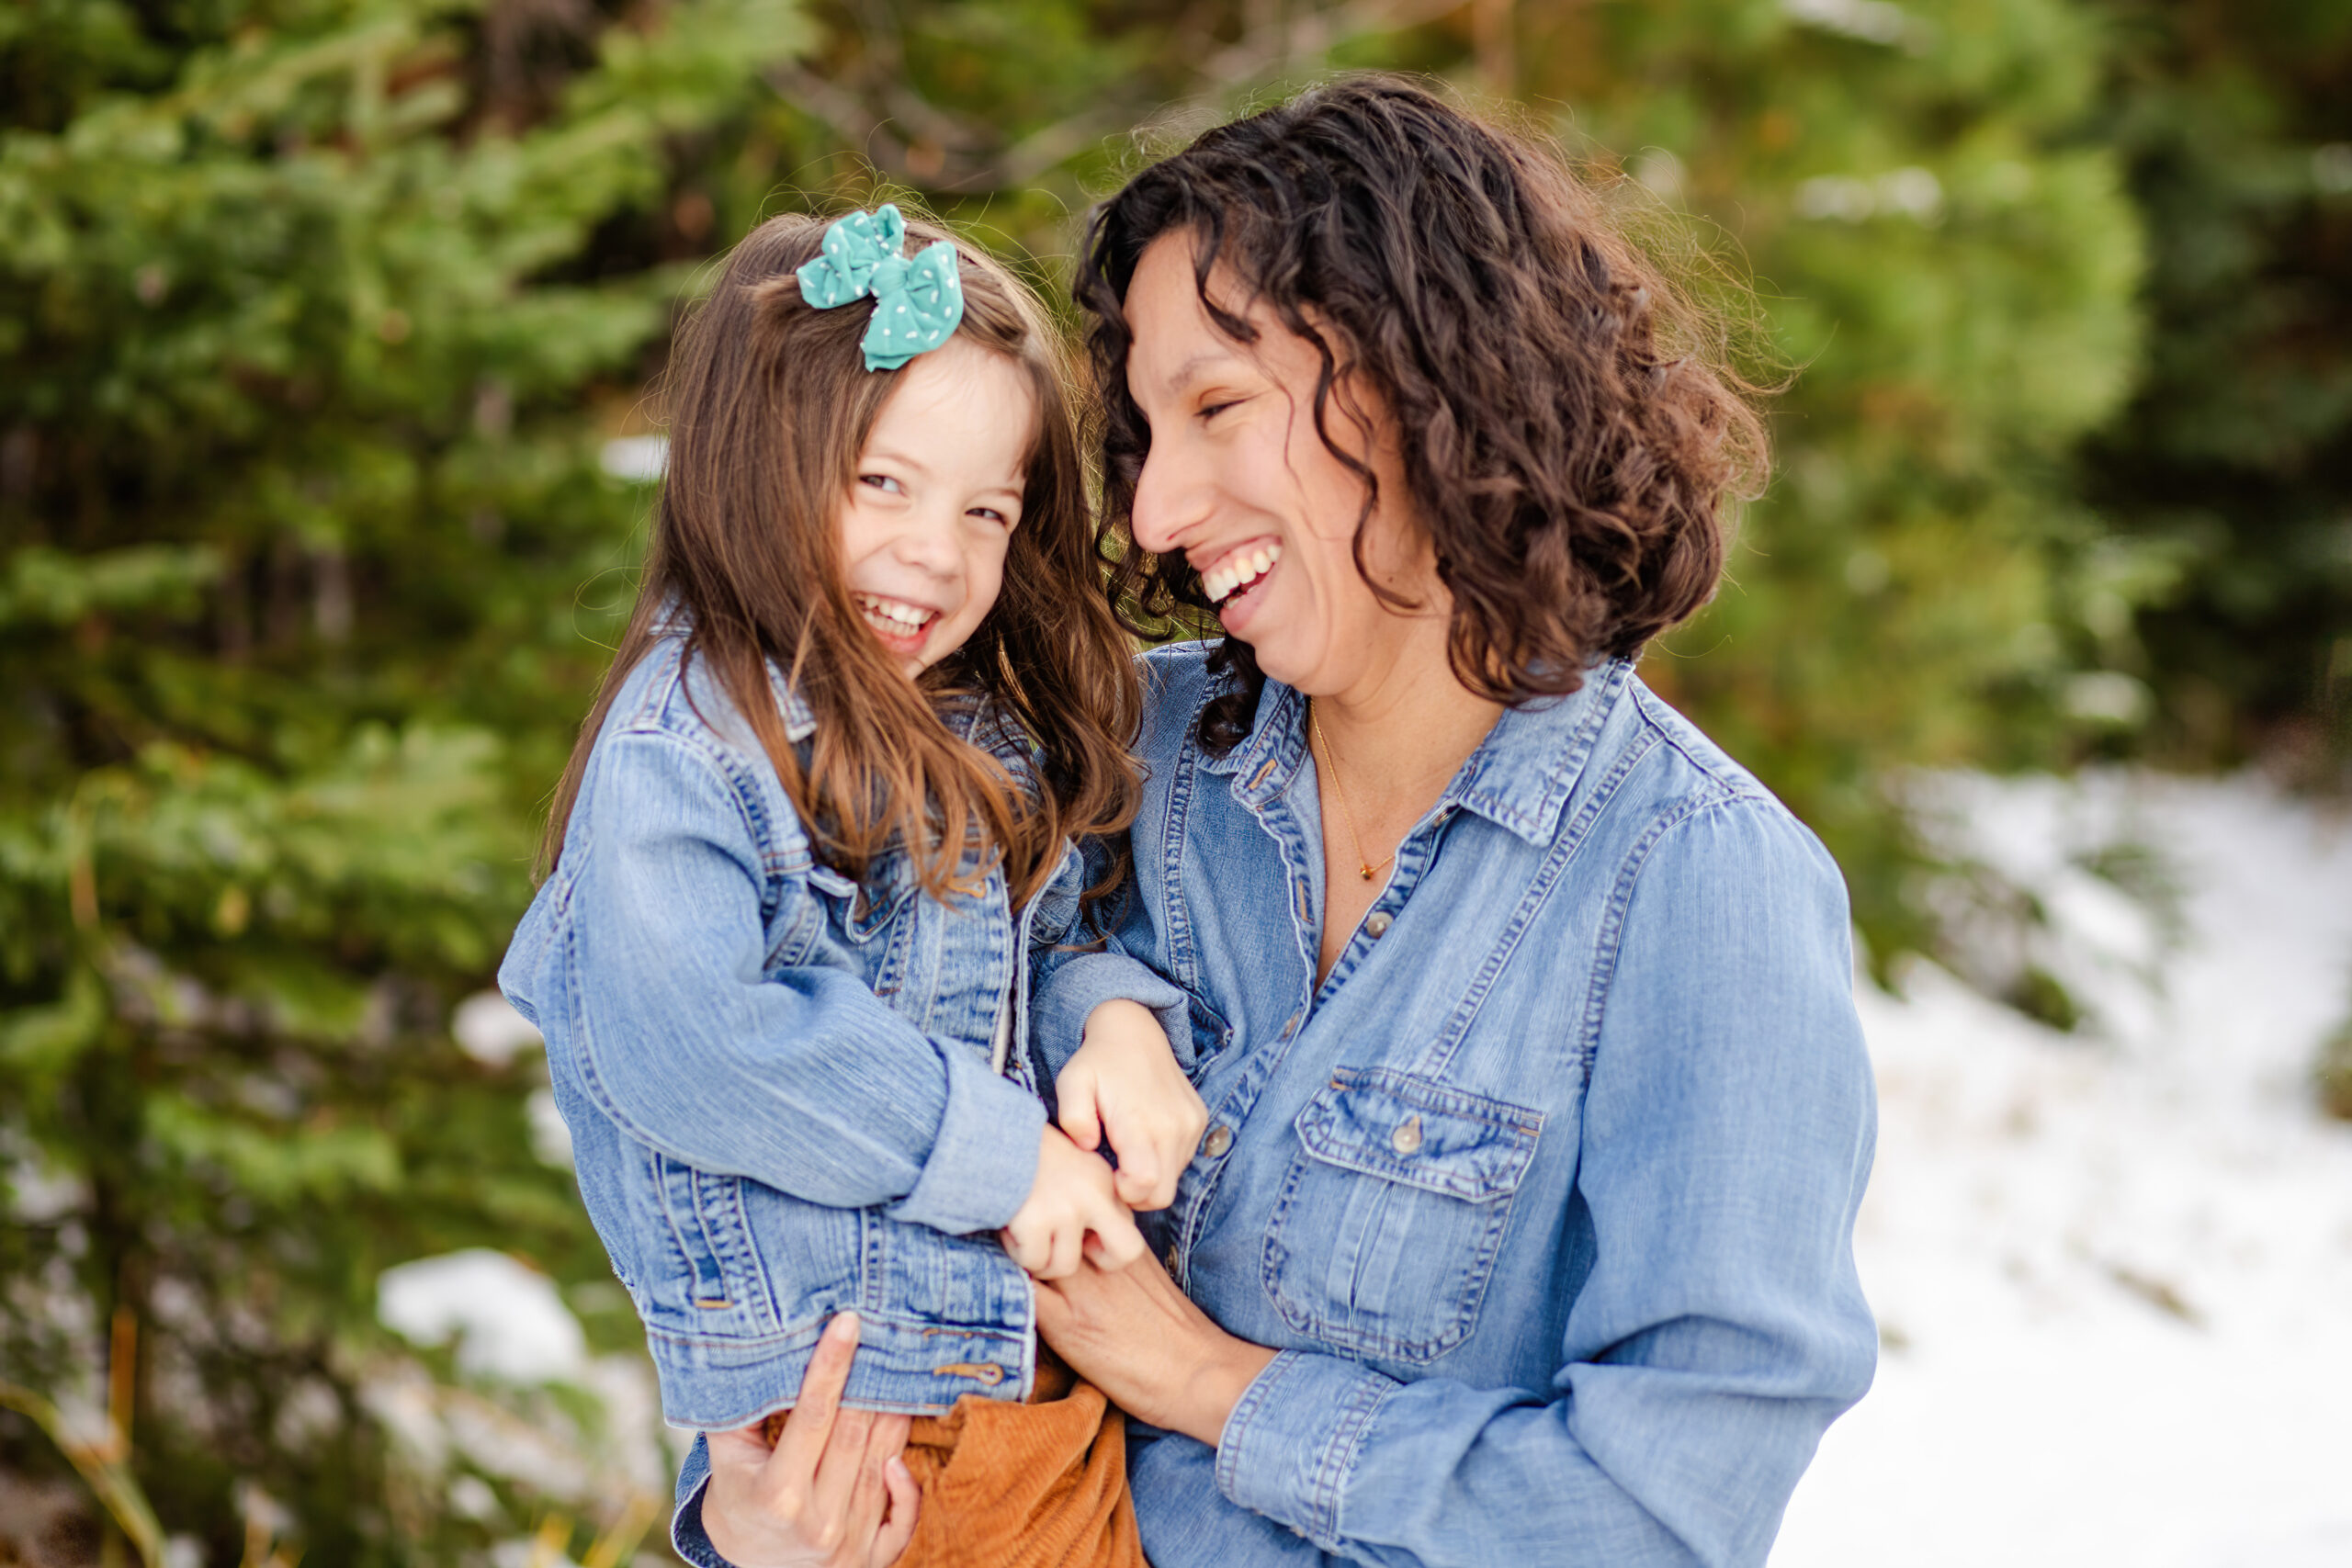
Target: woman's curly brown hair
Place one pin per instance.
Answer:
(1570, 450)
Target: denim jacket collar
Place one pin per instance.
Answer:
(1519, 778)
(673, 619)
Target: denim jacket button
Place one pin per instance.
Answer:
(1171, 1260)
(1220, 1139)
(1376, 924)
(1408, 1135)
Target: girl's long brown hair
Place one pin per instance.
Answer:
(769, 405)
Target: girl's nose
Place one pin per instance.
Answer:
(929, 543)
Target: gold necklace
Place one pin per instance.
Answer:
(1347, 811)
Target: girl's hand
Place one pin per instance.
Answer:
(833, 1493)
(1071, 1196)
(1131, 1333)
(1124, 1085)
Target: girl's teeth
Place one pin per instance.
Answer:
(906, 615)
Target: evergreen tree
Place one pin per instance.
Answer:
(311, 320)
(2235, 454)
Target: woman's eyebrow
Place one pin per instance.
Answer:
(1185, 374)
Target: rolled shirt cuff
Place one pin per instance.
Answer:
(1290, 1444)
(687, 1538)
(1059, 1011)
(984, 1159)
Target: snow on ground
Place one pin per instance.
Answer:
(2114, 1274)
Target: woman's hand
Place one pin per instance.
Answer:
(833, 1493)
(1131, 1333)
(1123, 1087)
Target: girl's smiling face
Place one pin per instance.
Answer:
(1238, 481)
(936, 496)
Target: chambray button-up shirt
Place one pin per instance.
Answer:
(1546, 1193)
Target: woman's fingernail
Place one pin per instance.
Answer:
(843, 1326)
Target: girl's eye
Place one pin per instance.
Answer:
(991, 514)
(882, 482)
(1213, 410)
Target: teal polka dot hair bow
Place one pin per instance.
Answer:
(918, 299)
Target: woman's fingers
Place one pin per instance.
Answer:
(809, 1428)
(884, 1441)
(838, 1471)
(905, 1507)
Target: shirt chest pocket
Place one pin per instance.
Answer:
(1390, 1216)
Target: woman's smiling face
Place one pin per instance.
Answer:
(1238, 481)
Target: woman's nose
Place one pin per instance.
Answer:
(1168, 503)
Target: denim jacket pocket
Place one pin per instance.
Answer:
(703, 1279)
(862, 910)
(1386, 1230)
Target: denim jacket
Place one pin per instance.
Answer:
(1546, 1194)
(779, 1081)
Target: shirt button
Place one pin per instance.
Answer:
(1408, 1135)
(1220, 1139)
(1292, 1027)
(1170, 1261)
(1376, 924)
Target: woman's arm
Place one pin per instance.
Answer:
(1718, 1328)
(802, 1079)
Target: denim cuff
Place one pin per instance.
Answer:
(1068, 998)
(1290, 1445)
(687, 1538)
(983, 1160)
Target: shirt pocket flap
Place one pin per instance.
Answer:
(1420, 1134)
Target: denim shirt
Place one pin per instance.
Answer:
(779, 1081)
(1546, 1194)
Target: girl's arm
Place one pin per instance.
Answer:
(802, 1079)
(1719, 1328)
(1075, 966)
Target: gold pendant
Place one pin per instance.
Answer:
(1367, 874)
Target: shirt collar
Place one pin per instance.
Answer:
(673, 619)
(1519, 778)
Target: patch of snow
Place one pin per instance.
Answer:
(488, 1029)
(638, 459)
(2114, 1274)
(550, 1138)
(509, 1320)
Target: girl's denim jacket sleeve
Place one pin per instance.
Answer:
(779, 1081)
(1546, 1193)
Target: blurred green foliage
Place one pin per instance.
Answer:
(2233, 462)
(306, 336)
(316, 314)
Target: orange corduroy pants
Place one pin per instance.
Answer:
(1037, 1485)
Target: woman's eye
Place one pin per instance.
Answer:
(1211, 410)
(992, 514)
(881, 482)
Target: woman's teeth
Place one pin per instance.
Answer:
(1241, 572)
(893, 617)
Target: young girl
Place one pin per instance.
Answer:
(818, 820)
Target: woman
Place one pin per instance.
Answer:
(1538, 1109)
